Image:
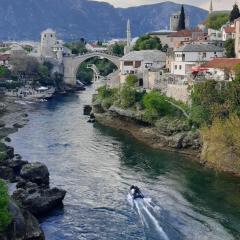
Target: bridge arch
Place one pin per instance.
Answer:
(72, 63)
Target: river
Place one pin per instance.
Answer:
(97, 165)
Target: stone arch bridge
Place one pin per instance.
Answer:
(72, 63)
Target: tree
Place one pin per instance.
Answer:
(77, 47)
(216, 20)
(131, 80)
(4, 72)
(148, 42)
(234, 13)
(230, 48)
(118, 49)
(181, 24)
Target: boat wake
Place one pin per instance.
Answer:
(148, 213)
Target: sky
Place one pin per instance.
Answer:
(217, 4)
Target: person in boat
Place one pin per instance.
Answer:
(135, 192)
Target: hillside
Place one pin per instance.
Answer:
(72, 19)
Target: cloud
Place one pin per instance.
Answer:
(217, 4)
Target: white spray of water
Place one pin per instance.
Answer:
(142, 208)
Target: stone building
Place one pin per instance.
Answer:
(140, 63)
(174, 21)
(48, 41)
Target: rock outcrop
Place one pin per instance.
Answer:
(24, 225)
(173, 135)
(39, 201)
(36, 173)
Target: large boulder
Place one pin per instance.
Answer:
(35, 172)
(16, 164)
(24, 225)
(38, 201)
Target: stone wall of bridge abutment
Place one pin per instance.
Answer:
(72, 63)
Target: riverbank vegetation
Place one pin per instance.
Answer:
(5, 217)
(215, 110)
(28, 70)
(222, 143)
(150, 106)
(214, 114)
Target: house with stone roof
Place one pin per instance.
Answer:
(140, 63)
(190, 55)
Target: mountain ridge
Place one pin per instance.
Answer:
(72, 19)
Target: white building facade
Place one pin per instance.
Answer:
(192, 55)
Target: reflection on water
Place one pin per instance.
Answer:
(96, 165)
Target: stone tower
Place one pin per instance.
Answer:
(174, 21)
(48, 41)
(127, 48)
(211, 8)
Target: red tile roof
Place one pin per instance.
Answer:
(222, 63)
(229, 29)
(182, 33)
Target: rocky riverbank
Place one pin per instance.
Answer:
(33, 196)
(169, 135)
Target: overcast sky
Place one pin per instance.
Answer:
(217, 4)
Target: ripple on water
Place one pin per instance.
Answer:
(96, 166)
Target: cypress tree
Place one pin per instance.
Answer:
(234, 13)
(181, 24)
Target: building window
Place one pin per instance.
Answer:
(137, 64)
(128, 63)
(204, 55)
(175, 67)
(180, 67)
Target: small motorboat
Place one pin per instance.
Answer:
(135, 192)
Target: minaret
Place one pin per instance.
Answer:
(129, 37)
(211, 8)
(127, 48)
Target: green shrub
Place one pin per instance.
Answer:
(127, 96)
(107, 103)
(106, 92)
(5, 217)
(131, 80)
(222, 143)
(156, 103)
(198, 115)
